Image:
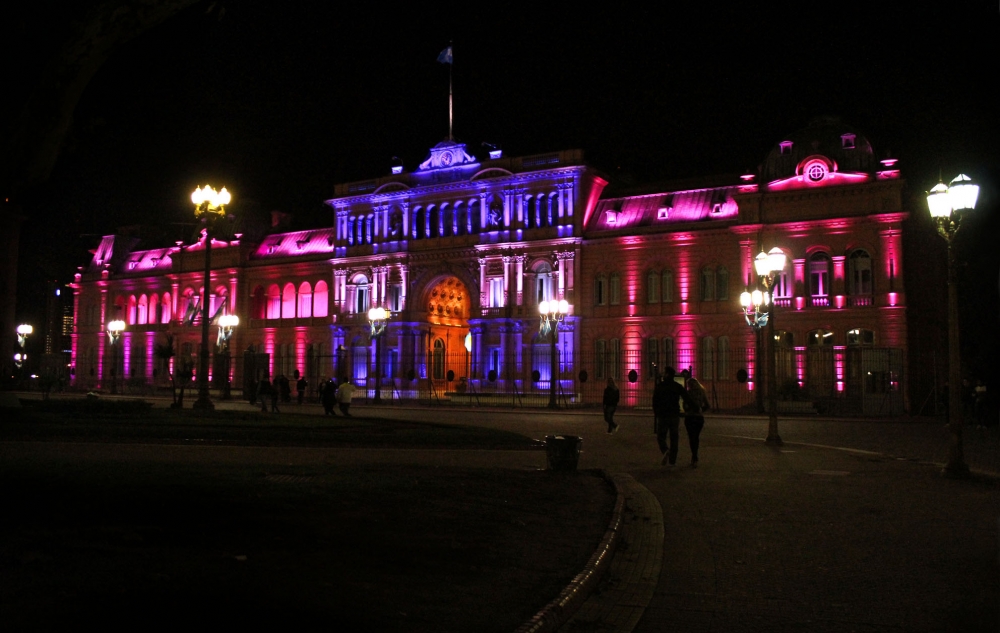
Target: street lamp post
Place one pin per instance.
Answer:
(209, 206)
(551, 314)
(115, 329)
(227, 323)
(23, 332)
(946, 204)
(378, 318)
(759, 309)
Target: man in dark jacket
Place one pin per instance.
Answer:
(667, 409)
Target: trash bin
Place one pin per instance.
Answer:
(562, 451)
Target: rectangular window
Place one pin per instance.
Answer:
(723, 358)
(600, 353)
(782, 286)
(667, 353)
(652, 357)
(274, 307)
(818, 280)
(708, 358)
(600, 291)
(543, 287)
(614, 359)
(396, 298)
(361, 303)
(667, 287)
(496, 297)
(614, 290)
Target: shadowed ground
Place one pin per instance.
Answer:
(143, 536)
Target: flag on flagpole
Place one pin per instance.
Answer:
(445, 56)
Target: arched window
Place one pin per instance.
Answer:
(258, 303)
(447, 221)
(131, 312)
(461, 219)
(708, 359)
(723, 359)
(475, 216)
(652, 287)
(667, 286)
(722, 284)
(859, 337)
(321, 300)
(418, 223)
(601, 291)
(552, 210)
(859, 274)
(543, 283)
(217, 300)
(708, 284)
(305, 300)
(273, 302)
(141, 310)
(288, 302)
(437, 364)
(819, 338)
(819, 279)
(434, 217)
(154, 308)
(167, 312)
(361, 294)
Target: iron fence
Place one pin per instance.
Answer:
(859, 381)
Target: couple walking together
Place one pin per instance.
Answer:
(667, 398)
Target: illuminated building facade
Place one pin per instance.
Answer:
(461, 252)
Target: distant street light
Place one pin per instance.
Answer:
(115, 329)
(227, 323)
(758, 310)
(378, 318)
(552, 314)
(209, 206)
(23, 332)
(947, 204)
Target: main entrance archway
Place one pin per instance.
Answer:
(448, 306)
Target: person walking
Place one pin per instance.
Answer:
(300, 389)
(328, 397)
(263, 392)
(667, 412)
(611, 397)
(275, 393)
(344, 394)
(694, 421)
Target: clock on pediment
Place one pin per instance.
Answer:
(446, 155)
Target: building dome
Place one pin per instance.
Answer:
(846, 147)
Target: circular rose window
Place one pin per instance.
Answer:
(815, 171)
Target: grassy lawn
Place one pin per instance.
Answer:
(154, 546)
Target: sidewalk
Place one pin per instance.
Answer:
(801, 539)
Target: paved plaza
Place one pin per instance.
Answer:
(847, 527)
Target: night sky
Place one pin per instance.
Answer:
(279, 101)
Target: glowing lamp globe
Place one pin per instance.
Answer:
(939, 201)
(963, 193)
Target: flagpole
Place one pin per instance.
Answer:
(451, 136)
